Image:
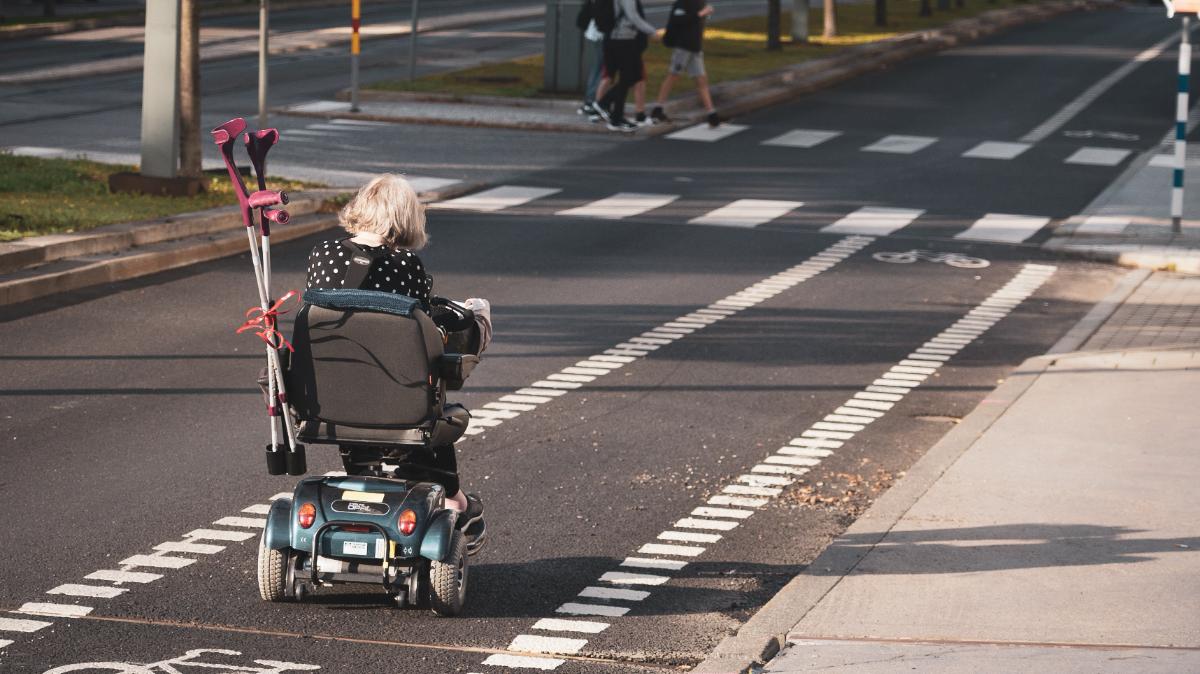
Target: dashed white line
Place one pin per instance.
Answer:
(248, 522)
(220, 534)
(707, 134)
(651, 563)
(560, 625)
(900, 144)
(623, 578)
(804, 138)
(55, 610)
(114, 576)
(992, 149)
(665, 549)
(689, 537)
(22, 625)
(522, 661)
(531, 643)
(621, 205)
(157, 561)
(574, 608)
(613, 593)
(96, 591)
(697, 523)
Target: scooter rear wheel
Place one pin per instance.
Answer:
(448, 579)
(272, 571)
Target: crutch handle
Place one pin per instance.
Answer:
(263, 198)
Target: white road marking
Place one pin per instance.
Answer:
(650, 563)
(1003, 228)
(497, 198)
(257, 509)
(689, 537)
(752, 491)
(805, 138)
(510, 407)
(792, 460)
(874, 221)
(743, 501)
(282, 494)
(623, 578)
(189, 548)
(707, 134)
(764, 480)
(621, 205)
(664, 549)
(114, 576)
(722, 512)
(1098, 156)
(747, 213)
(97, 591)
(1068, 111)
(5, 642)
(157, 561)
(560, 625)
(531, 643)
(900, 144)
(992, 149)
(55, 610)
(219, 535)
(522, 661)
(613, 593)
(696, 523)
(572, 608)
(248, 522)
(21, 625)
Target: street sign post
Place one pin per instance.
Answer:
(1185, 8)
(412, 43)
(355, 20)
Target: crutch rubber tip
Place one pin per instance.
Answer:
(296, 464)
(276, 459)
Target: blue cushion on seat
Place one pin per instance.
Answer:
(368, 300)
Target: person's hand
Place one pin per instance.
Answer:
(707, 11)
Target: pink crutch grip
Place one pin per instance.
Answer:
(277, 216)
(263, 198)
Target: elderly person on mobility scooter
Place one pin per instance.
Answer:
(387, 224)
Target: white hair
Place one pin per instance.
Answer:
(387, 206)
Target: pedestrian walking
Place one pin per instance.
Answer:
(626, 40)
(594, 47)
(685, 34)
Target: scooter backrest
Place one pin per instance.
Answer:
(364, 368)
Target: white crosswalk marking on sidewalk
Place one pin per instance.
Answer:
(992, 149)
(621, 205)
(803, 138)
(1098, 156)
(1003, 228)
(1103, 224)
(874, 221)
(900, 144)
(707, 134)
(747, 213)
(497, 198)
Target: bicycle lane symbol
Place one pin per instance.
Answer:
(187, 662)
(952, 259)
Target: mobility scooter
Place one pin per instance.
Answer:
(367, 372)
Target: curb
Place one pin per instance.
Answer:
(765, 634)
(25, 253)
(222, 227)
(750, 94)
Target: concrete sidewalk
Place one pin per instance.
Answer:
(1056, 529)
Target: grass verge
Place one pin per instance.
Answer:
(60, 196)
(733, 49)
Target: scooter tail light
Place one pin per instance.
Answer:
(407, 522)
(306, 515)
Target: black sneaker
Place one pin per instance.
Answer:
(713, 119)
(657, 116)
(586, 109)
(601, 111)
(640, 119)
(621, 124)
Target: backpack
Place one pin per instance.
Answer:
(587, 11)
(605, 15)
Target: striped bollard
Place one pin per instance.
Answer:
(355, 20)
(1181, 122)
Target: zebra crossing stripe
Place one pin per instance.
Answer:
(707, 134)
(1003, 228)
(874, 221)
(1098, 156)
(747, 213)
(497, 198)
(992, 149)
(804, 138)
(621, 205)
(900, 144)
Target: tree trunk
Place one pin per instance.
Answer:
(189, 89)
(830, 19)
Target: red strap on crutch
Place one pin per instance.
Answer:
(264, 320)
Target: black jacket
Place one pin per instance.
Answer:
(685, 27)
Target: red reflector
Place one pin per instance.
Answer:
(407, 522)
(355, 528)
(306, 515)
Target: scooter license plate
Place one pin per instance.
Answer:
(354, 548)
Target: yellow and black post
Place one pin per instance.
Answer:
(355, 48)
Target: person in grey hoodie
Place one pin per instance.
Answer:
(623, 59)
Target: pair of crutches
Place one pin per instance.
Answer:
(281, 458)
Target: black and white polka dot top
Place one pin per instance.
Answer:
(397, 271)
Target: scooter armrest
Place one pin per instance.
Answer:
(454, 368)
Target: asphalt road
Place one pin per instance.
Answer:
(129, 419)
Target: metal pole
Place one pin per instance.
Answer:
(355, 19)
(799, 21)
(1181, 115)
(412, 43)
(881, 12)
(263, 8)
(160, 90)
(773, 18)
